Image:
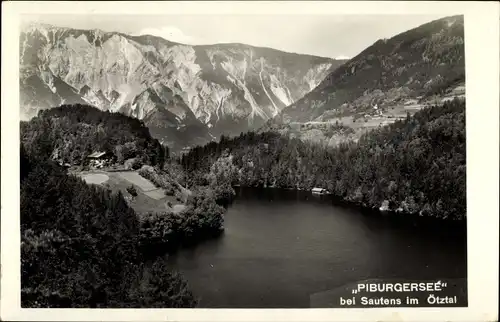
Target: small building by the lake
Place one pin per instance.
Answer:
(319, 191)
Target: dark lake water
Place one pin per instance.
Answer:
(280, 247)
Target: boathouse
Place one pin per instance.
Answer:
(319, 191)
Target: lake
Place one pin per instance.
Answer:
(281, 246)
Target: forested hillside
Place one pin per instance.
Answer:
(80, 247)
(70, 133)
(415, 165)
(415, 64)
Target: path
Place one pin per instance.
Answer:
(144, 184)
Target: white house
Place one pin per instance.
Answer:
(99, 159)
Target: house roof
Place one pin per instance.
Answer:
(97, 154)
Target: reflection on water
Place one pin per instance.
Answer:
(280, 246)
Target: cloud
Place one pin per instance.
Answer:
(342, 57)
(171, 33)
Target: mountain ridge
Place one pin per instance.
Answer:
(32, 25)
(429, 33)
(381, 84)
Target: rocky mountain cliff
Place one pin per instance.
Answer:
(409, 68)
(185, 94)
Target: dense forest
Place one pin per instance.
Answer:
(415, 165)
(80, 246)
(69, 133)
(201, 219)
(217, 185)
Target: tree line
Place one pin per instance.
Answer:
(416, 165)
(201, 218)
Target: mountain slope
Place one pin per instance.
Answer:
(415, 166)
(206, 90)
(415, 64)
(70, 133)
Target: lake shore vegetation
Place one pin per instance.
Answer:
(416, 165)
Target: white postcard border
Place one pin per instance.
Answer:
(482, 119)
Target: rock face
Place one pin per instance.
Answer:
(185, 94)
(412, 66)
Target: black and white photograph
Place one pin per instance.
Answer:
(243, 161)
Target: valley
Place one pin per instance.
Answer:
(191, 95)
(420, 67)
(158, 174)
(359, 123)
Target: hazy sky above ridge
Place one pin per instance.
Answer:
(336, 36)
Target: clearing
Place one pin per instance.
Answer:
(149, 197)
(95, 178)
(144, 184)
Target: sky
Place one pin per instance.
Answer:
(335, 36)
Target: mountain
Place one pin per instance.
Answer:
(385, 81)
(185, 94)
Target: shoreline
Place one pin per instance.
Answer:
(400, 216)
